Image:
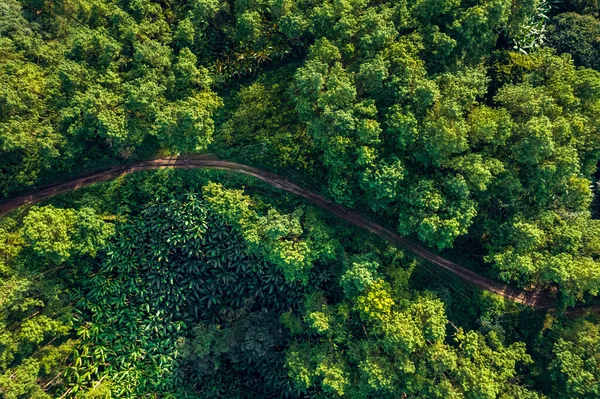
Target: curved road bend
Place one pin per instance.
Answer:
(534, 299)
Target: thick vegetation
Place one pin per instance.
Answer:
(470, 126)
(177, 296)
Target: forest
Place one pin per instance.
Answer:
(468, 127)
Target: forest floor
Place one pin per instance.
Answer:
(535, 298)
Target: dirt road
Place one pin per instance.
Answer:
(534, 299)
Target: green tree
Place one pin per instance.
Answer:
(575, 367)
(35, 321)
(56, 234)
(49, 231)
(577, 35)
(292, 242)
(187, 125)
(378, 345)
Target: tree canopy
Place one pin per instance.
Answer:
(471, 127)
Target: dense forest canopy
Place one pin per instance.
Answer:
(470, 126)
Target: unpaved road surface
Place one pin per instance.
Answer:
(536, 299)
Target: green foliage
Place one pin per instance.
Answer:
(246, 347)
(358, 277)
(575, 367)
(210, 342)
(55, 234)
(390, 348)
(261, 126)
(388, 106)
(577, 35)
(48, 231)
(528, 29)
(90, 83)
(170, 267)
(292, 242)
(186, 125)
(551, 147)
(417, 113)
(590, 7)
(35, 321)
(21, 382)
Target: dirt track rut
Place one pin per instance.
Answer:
(536, 299)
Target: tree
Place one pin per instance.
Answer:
(261, 126)
(49, 232)
(57, 234)
(187, 125)
(549, 127)
(575, 367)
(376, 345)
(29, 141)
(577, 35)
(35, 321)
(293, 242)
(171, 266)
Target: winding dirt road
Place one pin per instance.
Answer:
(535, 299)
